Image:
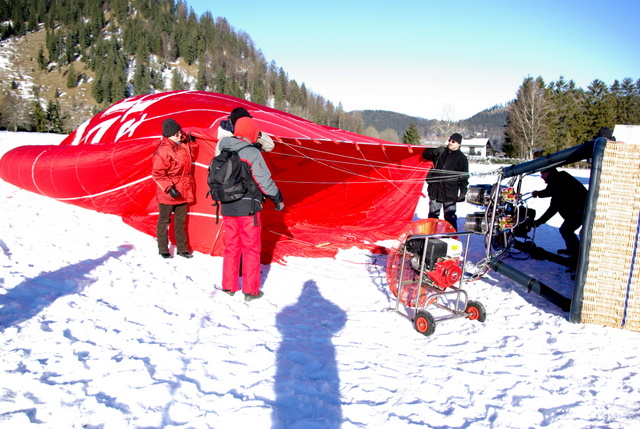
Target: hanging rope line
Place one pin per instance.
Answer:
(376, 166)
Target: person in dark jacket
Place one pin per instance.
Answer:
(172, 163)
(242, 224)
(448, 179)
(568, 198)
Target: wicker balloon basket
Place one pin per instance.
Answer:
(611, 294)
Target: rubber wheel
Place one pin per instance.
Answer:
(424, 323)
(476, 311)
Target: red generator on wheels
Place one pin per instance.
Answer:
(425, 273)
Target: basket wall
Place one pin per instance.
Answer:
(612, 282)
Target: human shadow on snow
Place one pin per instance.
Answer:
(31, 296)
(307, 385)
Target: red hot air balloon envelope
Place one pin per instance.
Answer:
(341, 189)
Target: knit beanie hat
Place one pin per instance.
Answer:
(237, 113)
(606, 133)
(247, 128)
(170, 127)
(457, 137)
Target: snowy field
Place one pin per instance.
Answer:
(97, 331)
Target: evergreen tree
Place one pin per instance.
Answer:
(177, 83)
(141, 80)
(566, 119)
(279, 95)
(259, 92)
(201, 79)
(72, 77)
(54, 118)
(38, 118)
(42, 61)
(221, 81)
(599, 107)
(411, 135)
(236, 90)
(627, 102)
(97, 90)
(156, 79)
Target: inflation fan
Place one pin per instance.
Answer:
(425, 273)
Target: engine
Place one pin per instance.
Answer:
(442, 260)
(509, 214)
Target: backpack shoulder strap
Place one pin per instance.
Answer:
(243, 147)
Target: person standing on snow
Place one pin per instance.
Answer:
(174, 185)
(568, 198)
(242, 224)
(448, 179)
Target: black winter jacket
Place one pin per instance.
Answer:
(568, 197)
(447, 187)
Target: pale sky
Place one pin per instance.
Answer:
(437, 59)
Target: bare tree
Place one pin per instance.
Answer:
(372, 132)
(528, 117)
(391, 135)
(446, 125)
(15, 113)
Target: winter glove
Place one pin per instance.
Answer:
(537, 223)
(461, 199)
(173, 192)
(279, 206)
(534, 194)
(432, 153)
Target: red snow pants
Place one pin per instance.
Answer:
(241, 242)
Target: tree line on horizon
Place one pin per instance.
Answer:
(129, 47)
(547, 118)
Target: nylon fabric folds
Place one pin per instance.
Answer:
(340, 189)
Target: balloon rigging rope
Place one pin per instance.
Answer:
(381, 179)
(443, 175)
(349, 160)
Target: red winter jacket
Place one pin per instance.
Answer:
(172, 167)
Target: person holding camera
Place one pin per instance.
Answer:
(172, 162)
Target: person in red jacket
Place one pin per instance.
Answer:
(174, 185)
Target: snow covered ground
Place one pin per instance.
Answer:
(97, 331)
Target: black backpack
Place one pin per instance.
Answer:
(229, 178)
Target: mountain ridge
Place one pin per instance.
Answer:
(20, 73)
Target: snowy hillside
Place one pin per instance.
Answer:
(97, 331)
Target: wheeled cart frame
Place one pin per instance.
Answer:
(450, 302)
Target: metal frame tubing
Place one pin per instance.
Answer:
(591, 149)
